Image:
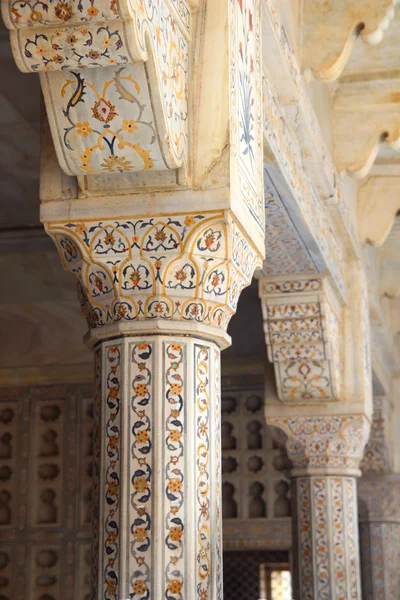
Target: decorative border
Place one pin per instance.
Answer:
(112, 470)
(174, 358)
(203, 482)
(96, 477)
(141, 419)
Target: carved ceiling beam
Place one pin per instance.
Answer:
(284, 164)
(330, 29)
(294, 138)
(109, 70)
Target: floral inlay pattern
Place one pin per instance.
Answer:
(175, 535)
(303, 338)
(245, 104)
(141, 468)
(203, 576)
(126, 129)
(328, 537)
(174, 268)
(112, 469)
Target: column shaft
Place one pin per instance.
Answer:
(379, 508)
(325, 538)
(157, 514)
(380, 556)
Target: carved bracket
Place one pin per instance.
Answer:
(330, 29)
(302, 330)
(114, 77)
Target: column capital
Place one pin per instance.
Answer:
(176, 273)
(322, 445)
(377, 458)
(379, 498)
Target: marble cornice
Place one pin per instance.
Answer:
(330, 29)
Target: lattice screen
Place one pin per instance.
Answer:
(242, 573)
(45, 488)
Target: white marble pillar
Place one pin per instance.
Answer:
(158, 294)
(379, 510)
(325, 452)
(157, 498)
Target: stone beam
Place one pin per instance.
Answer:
(296, 157)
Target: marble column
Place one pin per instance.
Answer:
(325, 452)
(157, 498)
(379, 510)
(161, 226)
(320, 411)
(158, 294)
(379, 507)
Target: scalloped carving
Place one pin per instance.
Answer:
(330, 29)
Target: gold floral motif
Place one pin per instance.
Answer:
(175, 533)
(83, 129)
(112, 488)
(139, 587)
(141, 389)
(114, 164)
(175, 435)
(81, 228)
(175, 388)
(104, 111)
(35, 16)
(142, 436)
(140, 484)
(174, 485)
(189, 220)
(140, 534)
(175, 586)
(71, 39)
(129, 126)
(63, 11)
